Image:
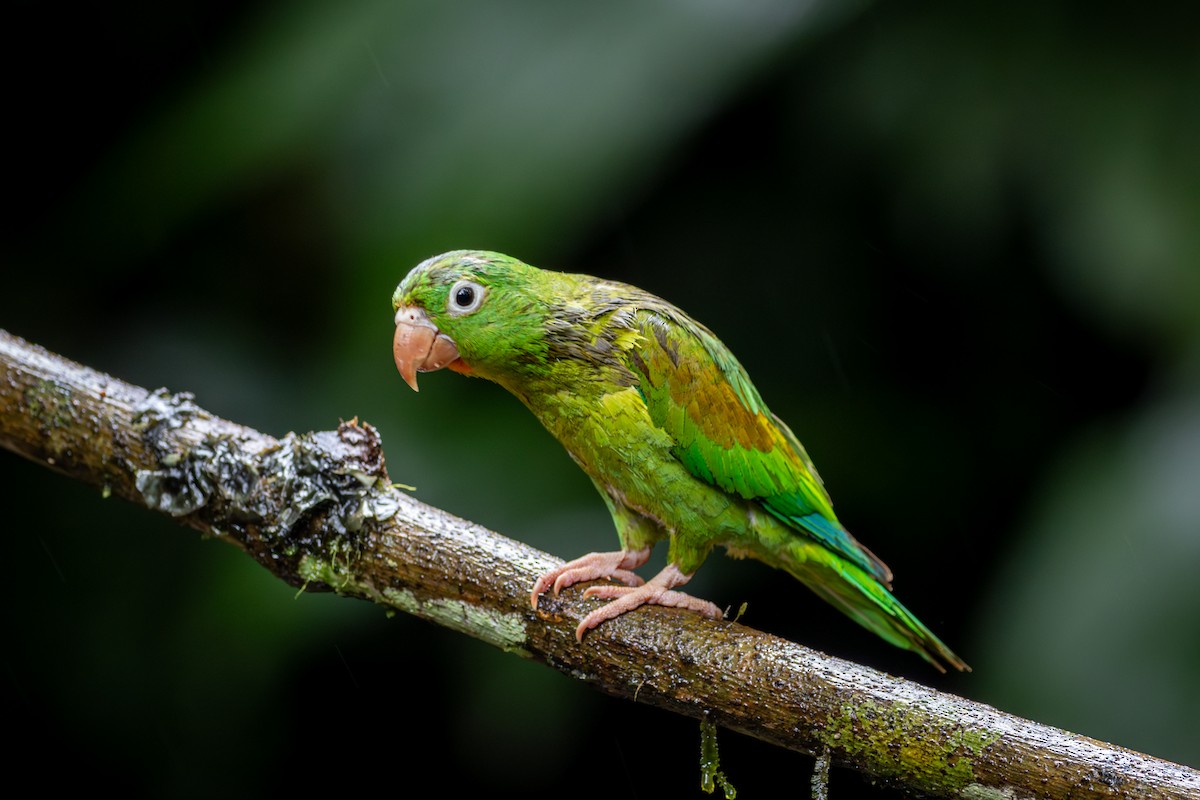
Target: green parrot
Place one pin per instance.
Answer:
(666, 423)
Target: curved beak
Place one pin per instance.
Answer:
(419, 346)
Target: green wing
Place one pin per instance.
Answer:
(700, 395)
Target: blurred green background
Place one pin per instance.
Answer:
(958, 249)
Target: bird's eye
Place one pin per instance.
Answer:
(465, 297)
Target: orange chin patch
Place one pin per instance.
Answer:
(460, 366)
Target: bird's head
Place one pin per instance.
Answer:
(472, 311)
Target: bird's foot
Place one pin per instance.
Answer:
(658, 591)
(591, 567)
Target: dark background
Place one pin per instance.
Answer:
(956, 248)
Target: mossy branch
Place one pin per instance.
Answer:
(318, 511)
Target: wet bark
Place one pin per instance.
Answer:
(318, 511)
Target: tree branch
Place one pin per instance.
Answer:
(318, 511)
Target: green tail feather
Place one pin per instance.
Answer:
(866, 601)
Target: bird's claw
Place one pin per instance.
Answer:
(593, 566)
(658, 591)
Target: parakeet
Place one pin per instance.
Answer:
(666, 423)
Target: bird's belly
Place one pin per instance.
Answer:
(615, 442)
(641, 472)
